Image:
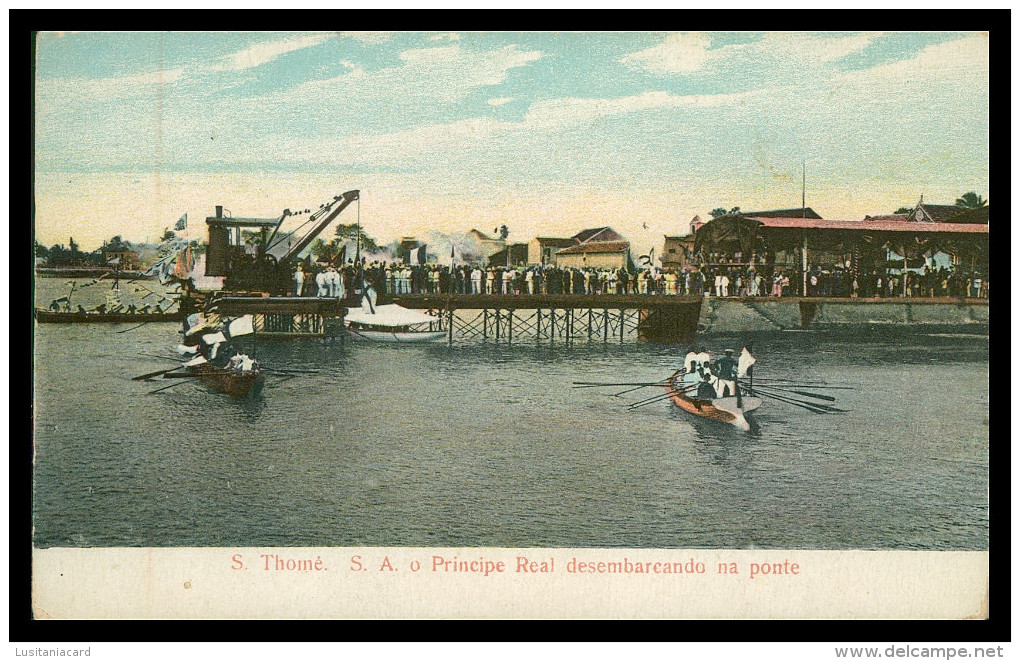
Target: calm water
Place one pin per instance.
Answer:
(489, 445)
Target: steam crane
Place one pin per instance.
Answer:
(257, 276)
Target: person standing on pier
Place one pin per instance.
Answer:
(476, 281)
(322, 284)
(299, 280)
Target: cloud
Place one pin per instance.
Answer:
(500, 101)
(448, 36)
(689, 52)
(681, 52)
(66, 90)
(369, 37)
(442, 74)
(260, 54)
(542, 119)
(805, 47)
(950, 63)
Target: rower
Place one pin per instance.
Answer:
(691, 362)
(727, 367)
(703, 359)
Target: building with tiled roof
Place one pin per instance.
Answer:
(595, 254)
(597, 234)
(543, 249)
(806, 212)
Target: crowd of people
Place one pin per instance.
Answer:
(312, 279)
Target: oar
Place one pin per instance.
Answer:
(153, 392)
(792, 384)
(794, 399)
(156, 373)
(801, 382)
(796, 402)
(133, 328)
(643, 385)
(152, 355)
(586, 384)
(657, 398)
(799, 392)
(809, 407)
(284, 371)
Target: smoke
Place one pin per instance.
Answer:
(466, 248)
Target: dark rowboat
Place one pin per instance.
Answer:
(238, 385)
(53, 317)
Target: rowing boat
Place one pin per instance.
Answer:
(729, 409)
(393, 323)
(238, 385)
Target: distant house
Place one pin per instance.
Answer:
(518, 256)
(489, 245)
(946, 213)
(806, 212)
(677, 250)
(122, 256)
(595, 254)
(894, 217)
(548, 250)
(542, 249)
(597, 234)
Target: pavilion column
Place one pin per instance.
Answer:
(803, 264)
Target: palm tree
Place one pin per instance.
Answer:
(971, 200)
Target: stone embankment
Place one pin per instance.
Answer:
(742, 315)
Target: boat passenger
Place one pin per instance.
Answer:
(706, 391)
(727, 367)
(691, 362)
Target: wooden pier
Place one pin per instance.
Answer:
(564, 317)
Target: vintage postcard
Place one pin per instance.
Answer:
(511, 325)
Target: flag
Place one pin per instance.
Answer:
(182, 270)
(744, 363)
(241, 326)
(214, 338)
(417, 255)
(182, 223)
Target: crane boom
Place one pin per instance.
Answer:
(344, 200)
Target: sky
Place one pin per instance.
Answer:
(547, 133)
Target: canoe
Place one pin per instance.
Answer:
(722, 409)
(52, 317)
(238, 385)
(393, 323)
